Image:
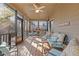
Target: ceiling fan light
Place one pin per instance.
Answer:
(37, 11)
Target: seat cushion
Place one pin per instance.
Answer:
(54, 52)
(50, 54)
(58, 45)
(53, 38)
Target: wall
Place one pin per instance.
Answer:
(65, 13)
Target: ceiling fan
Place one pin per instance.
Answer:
(38, 8)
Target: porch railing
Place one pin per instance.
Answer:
(7, 37)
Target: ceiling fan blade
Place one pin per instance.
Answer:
(41, 7)
(33, 9)
(35, 6)
(41, 10)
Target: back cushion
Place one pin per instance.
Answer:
(60, 36)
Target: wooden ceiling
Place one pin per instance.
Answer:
(25, 9)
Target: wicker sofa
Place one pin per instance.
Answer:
(56, 40)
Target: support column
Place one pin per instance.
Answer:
(16, 27)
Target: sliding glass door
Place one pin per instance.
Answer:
(42, 25)
(19, 29)
(34, 25)
(25, 29)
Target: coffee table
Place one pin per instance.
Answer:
(41, 43)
